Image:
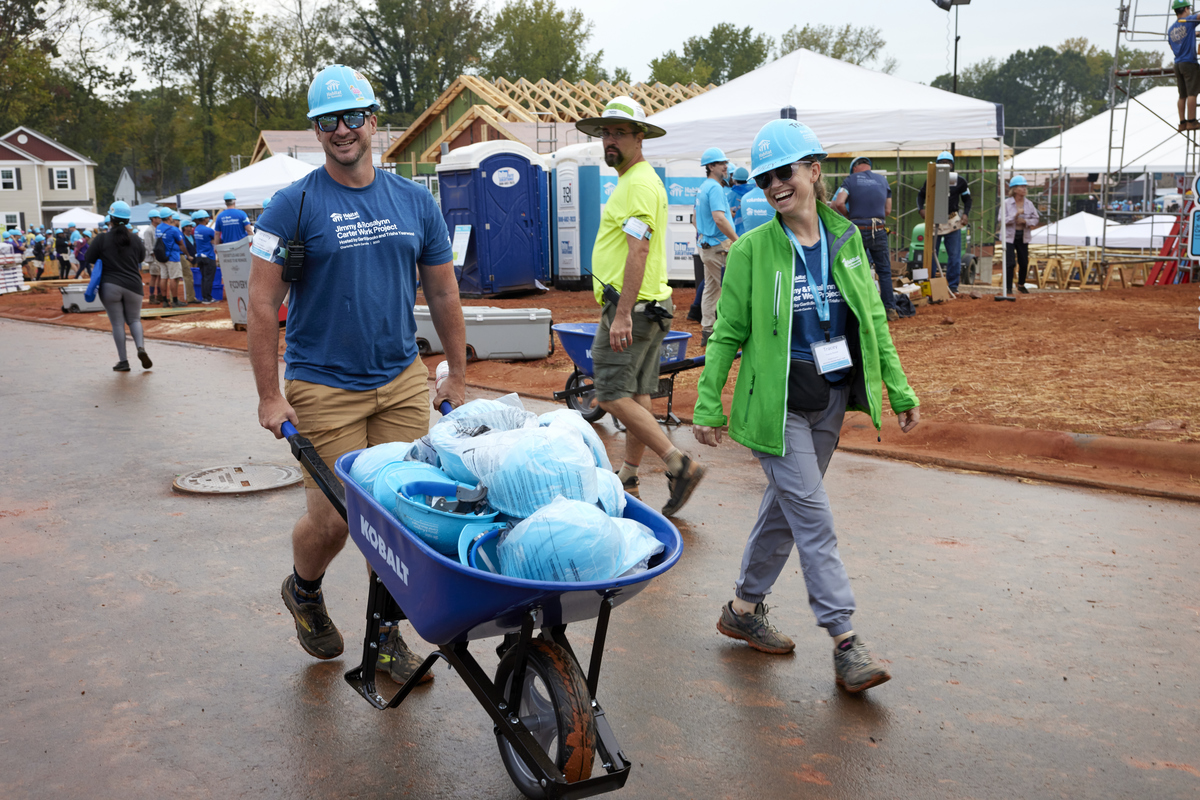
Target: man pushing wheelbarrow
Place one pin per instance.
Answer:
(348, 242)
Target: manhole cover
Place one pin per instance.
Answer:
(239, 479)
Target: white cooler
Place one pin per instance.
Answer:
(74, 302)
(493, 333)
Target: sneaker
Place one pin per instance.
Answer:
(145, 359)
(854, 667)
(754, 629)
(630, 485)
(1022, 290)
(166, 303)
(681, 487)
(397, 660)
(314, 628)
(694, 314)
(892, 315)
(178, 304)
(121, 366)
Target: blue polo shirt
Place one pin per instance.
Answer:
(868, 194)
(204, 241)
(350, 321)
(1182, 36)
(231, 223)
(711, 198)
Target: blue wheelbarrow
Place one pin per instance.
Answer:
(549, 727)
(580, 394)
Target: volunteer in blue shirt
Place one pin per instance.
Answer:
(206, 256)
(353, 376)
(714, 223)
(866, 199)
(755, 210)
(232, 224)
(739, 187)
(172, 269)
(1182, 36)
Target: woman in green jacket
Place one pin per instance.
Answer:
(800, 302)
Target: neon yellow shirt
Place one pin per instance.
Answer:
(640, 194)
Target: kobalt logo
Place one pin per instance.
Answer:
(393, 561)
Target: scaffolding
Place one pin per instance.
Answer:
(1137, 24)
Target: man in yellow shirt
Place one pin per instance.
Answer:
(630, 256)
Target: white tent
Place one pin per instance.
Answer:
(1147, 232)
(1151, 142)
(1078, 230)
(251, 184)
(848, 107)
(80, 216)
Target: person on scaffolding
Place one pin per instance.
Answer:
(1182, 36)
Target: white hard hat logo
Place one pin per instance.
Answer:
(764, 148)
(332, 86)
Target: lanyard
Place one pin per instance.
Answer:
(820, 292)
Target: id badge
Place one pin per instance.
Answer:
(832, 355)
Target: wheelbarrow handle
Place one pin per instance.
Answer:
(307, 455)
(445, 408)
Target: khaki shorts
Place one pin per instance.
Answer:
(338, 421)
(633, 371)
(171, 270)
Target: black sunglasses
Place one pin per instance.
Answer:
(328, 123)
(783, 173)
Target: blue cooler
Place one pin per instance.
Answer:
(218, 289)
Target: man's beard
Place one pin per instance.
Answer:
(613, 158)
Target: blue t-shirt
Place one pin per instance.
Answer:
(711, 198)
(1182, 36)
(868, 194)
(232, 224)
(734, 195)
(755, 209)
(174, 239)
(204, 241)
(806, 325)
(350, 320)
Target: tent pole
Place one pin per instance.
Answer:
(1000, 226)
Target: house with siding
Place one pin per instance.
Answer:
(40, 178)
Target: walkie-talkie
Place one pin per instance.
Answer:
(293, 265)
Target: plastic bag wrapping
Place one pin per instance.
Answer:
(640, 546)
(423, 451)
(567, 541)
(526, 469)
(455, 430)
(572, 418)
(370, 461)
(609, 492)
(392, 476)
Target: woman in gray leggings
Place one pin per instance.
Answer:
(121, 254)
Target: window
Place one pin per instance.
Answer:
(62, 179)
(11, 221)
(8, 179)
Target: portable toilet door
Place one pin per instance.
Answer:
(684, 178)
(578, 198)
(504, 206)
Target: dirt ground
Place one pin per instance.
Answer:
(1123, 362)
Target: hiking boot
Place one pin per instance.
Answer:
(854, 667)
(166, 303)
(754, 629)
(892, 315)
(145, 359)
(314, 628)
(694, 314)
(397, 661)
(1022, 289)
(681, 487)
(121, 366)
(630, 485)
(178, 304)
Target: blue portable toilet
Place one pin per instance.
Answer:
(500, 189)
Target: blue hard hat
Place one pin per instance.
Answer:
(780, 142)
(859, 159)
(339, 88)
(199, 215)
(58, 230)
(946, 155)
(230, 196)
(1018, 180)
(266, 203)
(742, 174)
(39, 238)
(155, 213)
(120, 210)
(70, 224)
(187, 222)
(712, 155)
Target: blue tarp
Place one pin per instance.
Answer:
(140, 214)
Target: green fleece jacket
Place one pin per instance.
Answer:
(755, 315)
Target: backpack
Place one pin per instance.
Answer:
(160, 250)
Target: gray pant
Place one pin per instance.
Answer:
(124, 308)
(795, 511)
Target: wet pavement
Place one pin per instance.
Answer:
(1043, 640)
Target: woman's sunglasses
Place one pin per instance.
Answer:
(783, 173)
(328, 123)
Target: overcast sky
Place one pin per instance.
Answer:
(915, 30)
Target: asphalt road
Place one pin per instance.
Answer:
(1043, 640)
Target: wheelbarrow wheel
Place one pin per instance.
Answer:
(556, 710)
(584, 403)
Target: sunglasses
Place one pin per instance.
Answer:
(328, 123)
(783, 173)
